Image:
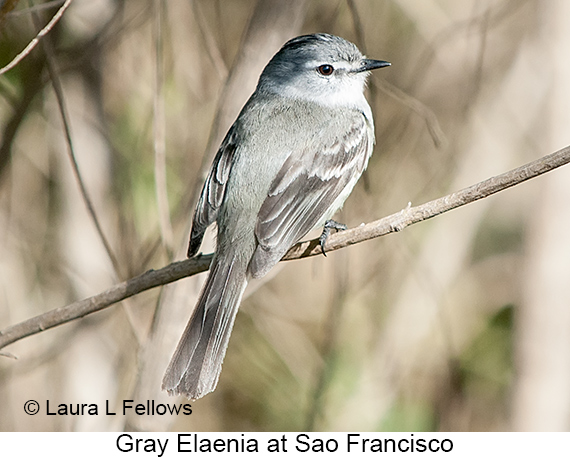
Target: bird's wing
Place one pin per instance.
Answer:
(213, 191)
(311, 185)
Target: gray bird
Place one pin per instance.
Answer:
(287, 164)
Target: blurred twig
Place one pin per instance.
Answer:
(422, 110)
(159, 134)
(358, 28)
(32, 44)
(211, 46)
(6, 7)
(28, 10)
(394, 223)
(32, 84)
(329, 350)
(272, 23)
(56, 83)
(413, 103)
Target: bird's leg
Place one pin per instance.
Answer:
(330, 224)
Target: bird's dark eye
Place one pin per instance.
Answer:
(325, 70)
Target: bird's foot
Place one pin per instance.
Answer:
(330, 224)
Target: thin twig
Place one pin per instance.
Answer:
(413, 103)
(429, 117)
(394, 223)
(56, 83)
(32, 44)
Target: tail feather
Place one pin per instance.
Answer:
(197, 362)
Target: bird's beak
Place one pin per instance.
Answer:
(371, 64)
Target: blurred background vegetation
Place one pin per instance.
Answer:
(459, 323)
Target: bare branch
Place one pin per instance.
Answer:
(32, 44)
(394, 223)
(115, 294)
(412, 215)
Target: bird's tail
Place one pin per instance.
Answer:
(197, 362)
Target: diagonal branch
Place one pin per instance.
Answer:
(394, 223)
(412, 215)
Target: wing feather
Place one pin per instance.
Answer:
(309, 188)
(212, 194)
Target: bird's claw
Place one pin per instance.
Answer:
(330, 224)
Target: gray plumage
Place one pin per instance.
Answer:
(286, 166)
